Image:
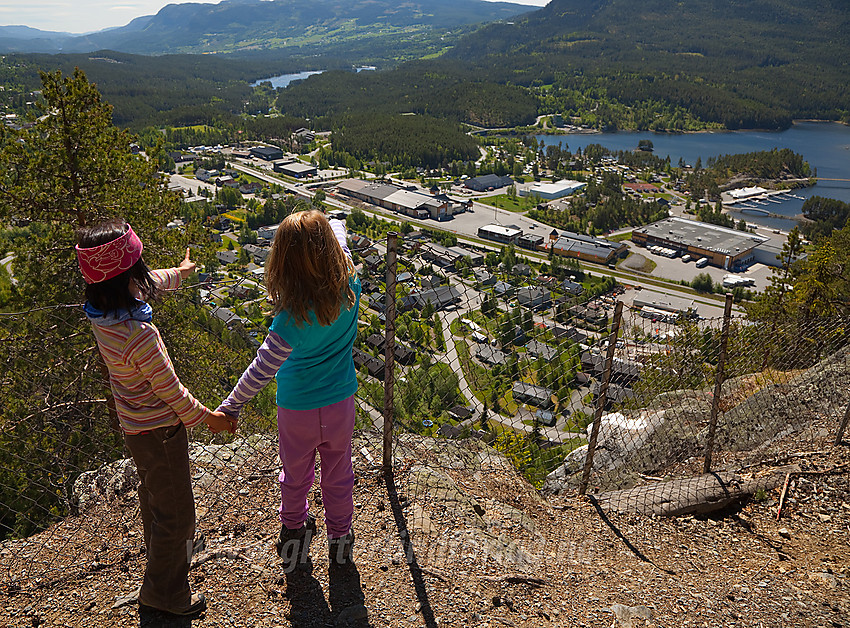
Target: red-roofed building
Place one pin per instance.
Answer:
(642, 187)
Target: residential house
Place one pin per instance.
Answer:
(521, 269)
(226, 181)
(569, 333)
(571, 287)
(431, 281)
(267, 232)
(490, 355)
(623, 371)
(503, 290)
(459, 413)
(227, 257)
(373, 261)
(360, 243)
(616, 394)
(402, 354)
(227, 316)
(374, 366)
(258, 253)
(591, 312)
(532, 395)
(202, 174)
(484, 277)
(250, 188)
(541, 350)
(534, 298)
(439, 298)
(376, 301)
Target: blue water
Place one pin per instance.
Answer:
(825, 145)
(283, 80)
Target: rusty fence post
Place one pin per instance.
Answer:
(840, 436)
(602, 399)
(718, 384)
(389, 350)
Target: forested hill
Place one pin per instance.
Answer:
(740, 63)
(235, 25)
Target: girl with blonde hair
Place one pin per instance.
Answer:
(315, 292)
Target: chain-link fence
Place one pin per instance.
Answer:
(480, 368)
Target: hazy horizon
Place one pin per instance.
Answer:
(87, 16)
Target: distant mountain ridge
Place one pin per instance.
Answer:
(235, 25)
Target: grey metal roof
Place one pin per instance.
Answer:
(702, 235)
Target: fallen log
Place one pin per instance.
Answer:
(701, 494)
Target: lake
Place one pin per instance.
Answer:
(283, 80)
(825, 145)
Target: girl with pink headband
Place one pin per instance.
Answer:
(154, 409)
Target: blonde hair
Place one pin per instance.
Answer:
(307, 270)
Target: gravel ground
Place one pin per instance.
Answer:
(458, 539)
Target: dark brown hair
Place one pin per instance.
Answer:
(115, 294)
(307, 270)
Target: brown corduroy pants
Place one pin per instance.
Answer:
(168, 514)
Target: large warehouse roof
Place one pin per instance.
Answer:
(702, 235)
(558, 189)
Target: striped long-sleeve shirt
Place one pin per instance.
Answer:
(147, 391)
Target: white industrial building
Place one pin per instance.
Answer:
(551, 191)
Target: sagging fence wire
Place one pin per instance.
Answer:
(476, 368)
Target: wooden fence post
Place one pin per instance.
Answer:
(389, 350)
(602, 398)
(840, 436)
(718, 384)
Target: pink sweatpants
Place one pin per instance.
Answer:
(301, 434)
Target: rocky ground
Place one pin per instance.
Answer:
(455, 539)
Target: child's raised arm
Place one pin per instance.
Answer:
(339, 231)
(171, 278)
(187, 266)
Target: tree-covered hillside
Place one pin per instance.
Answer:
(246, 25)
(736, 63)
(608, 64)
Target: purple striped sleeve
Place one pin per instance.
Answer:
(270, 356)
(339, 231)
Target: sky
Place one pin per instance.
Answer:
(85, 16)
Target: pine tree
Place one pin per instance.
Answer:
(68, 167)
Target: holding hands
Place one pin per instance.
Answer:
(220, 422)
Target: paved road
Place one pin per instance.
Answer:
(6, 263)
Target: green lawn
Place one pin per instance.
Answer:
(503, 201)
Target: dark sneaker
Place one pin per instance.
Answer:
(197, 604)
(293, 546)
(339, 550)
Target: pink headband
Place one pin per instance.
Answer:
(109, 260)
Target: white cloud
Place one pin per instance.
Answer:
(78, 16)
